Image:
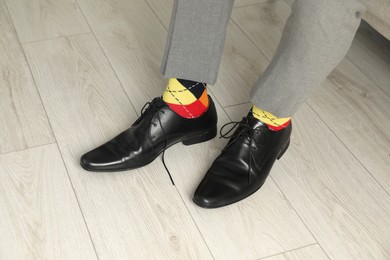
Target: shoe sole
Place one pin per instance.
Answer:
(206, 206)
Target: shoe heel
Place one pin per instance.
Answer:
(284, 150)
(201, 138)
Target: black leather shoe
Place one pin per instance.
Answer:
(244, 164)
(157, 129)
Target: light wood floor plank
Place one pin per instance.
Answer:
(237, 112)
(139, 214)
(256, 225)
(163, 10)
(349, 96)
(262, 225)
(40, 217)
(133, 39)
(23, 121)
(44, 19)
(131, 215)
(362, 99)
(263, 24)
(342, 205)
(241, 66)
(370, 52)
(358, 112)
(351, 188)
(313, 252)
(349, 212)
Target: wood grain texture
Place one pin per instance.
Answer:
(40, 217)
(44, 19)
(263, 24)
(261, 225)
(354, 108)
(370, 52)
(342, 205)
(163, 10)
(237, 112)
(131, 215)
(311, 252)
(23, 121)
(349, 211)
(259, 220)
(343, 180)
(133, 39)
(241, 66)
(358, 112)
(139, 214)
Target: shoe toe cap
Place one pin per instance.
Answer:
(213, 193)
(100, 159)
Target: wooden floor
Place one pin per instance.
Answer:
(70, 79)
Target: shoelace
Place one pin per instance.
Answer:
(144, 111)
(245, 130)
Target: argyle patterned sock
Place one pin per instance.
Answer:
(274, 123)
(187, 98)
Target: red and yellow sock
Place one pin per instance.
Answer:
(274, 123)
(187, 98)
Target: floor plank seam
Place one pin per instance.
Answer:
(27, 148)
(250, 40)
(166, 29)
(299, 216)
(55, 38)
(32, 77)
(364, 167)
(288, 251)
(78, 202)
(238, 104)
(106, 57)
(369, 173)
(193, 220)
(18, 39)
(340, 222)
(256, 4)
(373, 82)
(288, 201)
(51, 127)
(108, 60)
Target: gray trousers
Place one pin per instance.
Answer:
(316, 37)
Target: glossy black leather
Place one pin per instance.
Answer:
(157, 129)
(244, 164)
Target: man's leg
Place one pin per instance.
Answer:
(316, 38)
(184, 113)
(195, 39)
(193, 53)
